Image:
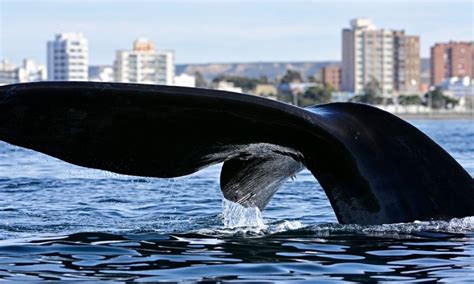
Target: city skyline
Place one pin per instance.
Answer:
(222, 32)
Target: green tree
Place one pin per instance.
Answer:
(245, 83)
(291, 76)
(313, 79)
(372, 90)
(316, 95)
(372, 93)
(286, 97)
(200, 80)
(263, 79)
(409, 100)
(437, 100)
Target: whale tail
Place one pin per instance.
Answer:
(374, 167)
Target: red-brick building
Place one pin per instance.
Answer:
(452, 59)
(331, 75)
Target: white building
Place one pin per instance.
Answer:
(297, 87)
(185, 80)
(459, 87)
(28, 72)
(228, 86)
(68, 57)
(144, 64)
(8, 73)
(341, 96)
(101, 73)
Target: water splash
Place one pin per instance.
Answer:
(236, 216)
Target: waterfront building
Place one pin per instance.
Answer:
(452, 59)
(228, 86)
(331, 76)
(458, 86)
(339, 96)
(29, 71)
(296, 88)
(8, 73)
(68, 57)
(407, 63)
(185, 80)
(100, 73)
(389, 57)
(265, 90)
(144, 64)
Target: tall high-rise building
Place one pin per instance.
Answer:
(452, 59)
(28, 72)
(144, 64)
(407, 63)
(387, 56)
(68, 57)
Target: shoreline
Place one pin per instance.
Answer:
(435, 115)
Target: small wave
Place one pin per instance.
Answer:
(453, 226)
(284, 226)
(435, 229)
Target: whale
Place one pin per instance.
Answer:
(374, 167)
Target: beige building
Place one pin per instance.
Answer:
(387, 56)
(144, 64)
(407, 65)
(265, 90)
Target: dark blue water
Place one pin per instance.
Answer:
(62, 222)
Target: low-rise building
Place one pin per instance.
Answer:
(101, 73)
(331, 76)
(296, 87)
(8, 73)
(458, 86)
(228, 86)
(185, 80)
(29, 71)
(265, 90)
(339, 96)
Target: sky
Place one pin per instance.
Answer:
(222, 31)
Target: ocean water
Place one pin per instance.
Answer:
(63, 222)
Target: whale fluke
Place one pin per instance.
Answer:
(251, 179)
(374, 167)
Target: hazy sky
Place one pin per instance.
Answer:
(222, 31)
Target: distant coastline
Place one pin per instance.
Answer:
(271, 69)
